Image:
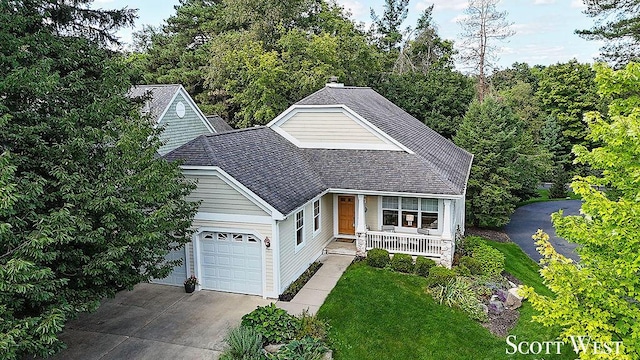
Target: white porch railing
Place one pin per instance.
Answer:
(413, 244)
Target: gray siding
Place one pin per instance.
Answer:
(328, 127)
(179, 131)
(293, 263)
(219, 197)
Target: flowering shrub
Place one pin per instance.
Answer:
(192, 280)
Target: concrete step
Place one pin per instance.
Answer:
(341, 248)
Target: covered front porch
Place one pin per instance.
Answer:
(418, 226)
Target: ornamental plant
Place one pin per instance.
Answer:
(191, 280)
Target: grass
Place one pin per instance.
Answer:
(380, 314)
(543, 195)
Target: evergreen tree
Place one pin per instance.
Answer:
(618, 26)
(507, 164)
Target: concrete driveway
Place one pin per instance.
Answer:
(157, 322)
(526, 220)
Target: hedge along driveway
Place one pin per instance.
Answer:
(379, 314)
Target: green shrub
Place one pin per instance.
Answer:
(243, 343)
(491, 260)
(474, 265)
(423, 265)
(439, 275)
(275, 324)
(402, 263)
(469, 243)
(303, 349)
(462, 270)
(311, 326)
(458, 293)
(378, 258)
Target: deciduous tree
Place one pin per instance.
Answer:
(86, 208)
(482, 25)
(599, 296)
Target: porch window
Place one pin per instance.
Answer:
(390, 211)
(429, 214)
(299, 227)
(410, 212)
(316, 216)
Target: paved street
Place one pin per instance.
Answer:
(529, 218)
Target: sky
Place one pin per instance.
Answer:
(544, 29)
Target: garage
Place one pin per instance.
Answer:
(179, 273)
(231, 262)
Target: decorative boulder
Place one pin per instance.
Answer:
(496, 304)
(514, 300)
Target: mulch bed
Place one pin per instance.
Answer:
(495, 235)
(297, 285)
(500, 324)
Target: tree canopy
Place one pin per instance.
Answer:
(618, 26)
(86, 208)
(507, 164)
(599, 296)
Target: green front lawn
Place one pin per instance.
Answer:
(380, 314)
(543, 195)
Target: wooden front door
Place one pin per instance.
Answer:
(346, 215)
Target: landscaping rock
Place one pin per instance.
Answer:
(514, 300)
(496, 305)
(272, 349)
(328, 355)
(485, 308)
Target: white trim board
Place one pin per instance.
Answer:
(250, 219)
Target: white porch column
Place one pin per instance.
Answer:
(361, 228)
(446, 252)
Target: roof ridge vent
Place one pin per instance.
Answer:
(333, 82)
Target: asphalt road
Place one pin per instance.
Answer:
(529, 218)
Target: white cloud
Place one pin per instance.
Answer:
(442, 4)
(355, 7)
(543, 2)
(578, 4)
(459, 18)
(539, 54)
(534, 28)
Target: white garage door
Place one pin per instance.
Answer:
(179, 273)
(231, 262)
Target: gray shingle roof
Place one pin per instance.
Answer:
(286, 176)
(218, 124)
(377, 170)
(161, 96)
(449, 162)
(263, 161)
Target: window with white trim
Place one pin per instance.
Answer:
(410, 212)
(316, 216)
(299, 227)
